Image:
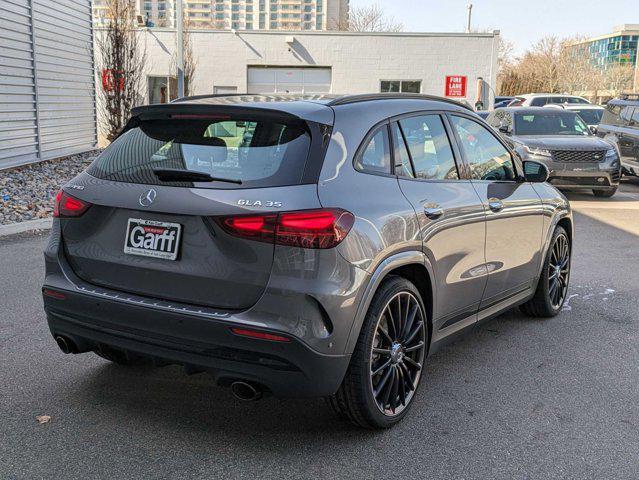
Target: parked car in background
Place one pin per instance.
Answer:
(541, 99)
(502, 101)
(303, 246)
(576, 158)
(620, 125)
(591, 114)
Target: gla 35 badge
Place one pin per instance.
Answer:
(259, 203)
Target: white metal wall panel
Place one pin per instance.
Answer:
(64, 65)
(18, 119)
(47, 90)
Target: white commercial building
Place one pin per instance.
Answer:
(322, 62)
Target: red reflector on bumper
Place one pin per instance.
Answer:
(260, 335)
(52, 293)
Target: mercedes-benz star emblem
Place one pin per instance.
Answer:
(148, 197)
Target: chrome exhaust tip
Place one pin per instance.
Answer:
(246, 391)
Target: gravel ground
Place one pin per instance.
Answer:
(27, 193)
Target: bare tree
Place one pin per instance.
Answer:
(371, 18)
(618, 78)
(190, 62)
(577, 73)
(120, 58)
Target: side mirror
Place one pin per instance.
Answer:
(593, 129)
(504, 129)
(535, 172)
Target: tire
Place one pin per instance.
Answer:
(398, 359)
(547, 301)
(604, 193)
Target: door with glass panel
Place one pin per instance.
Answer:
(514, 212)
(450, 214)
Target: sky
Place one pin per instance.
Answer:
(523, 22)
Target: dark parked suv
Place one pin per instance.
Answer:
(559, 138)
(620, 125)
(302, 246)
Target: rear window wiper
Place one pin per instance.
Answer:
(183, 175)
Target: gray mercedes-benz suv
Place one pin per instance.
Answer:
(302, 246)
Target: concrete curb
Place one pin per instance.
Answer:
(28, 226)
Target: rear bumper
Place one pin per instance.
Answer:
(311, 298)
(286, 369)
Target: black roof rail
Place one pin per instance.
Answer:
(367, 97)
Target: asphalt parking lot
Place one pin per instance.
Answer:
(519, 398)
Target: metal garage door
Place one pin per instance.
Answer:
(289, 80)
(47, 92)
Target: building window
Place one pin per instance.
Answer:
(403, 86)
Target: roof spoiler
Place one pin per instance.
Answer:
(186, 111)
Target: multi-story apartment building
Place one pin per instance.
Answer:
(618, 47)
(241, 14)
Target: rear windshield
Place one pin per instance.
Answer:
(260, 153)
(551, 123)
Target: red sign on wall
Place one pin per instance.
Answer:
(456, 86)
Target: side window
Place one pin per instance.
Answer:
(495, 119)
(375, 157)
(611, 115)
(626, 116)
(635, 118)
(487, 157)
(402, 159)
(539, 102)
(429, 148)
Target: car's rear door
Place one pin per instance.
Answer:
(514, 212)
(450, 214)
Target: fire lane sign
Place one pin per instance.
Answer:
(456, 86)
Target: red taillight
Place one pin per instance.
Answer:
(322, 228)
(68, 206)
(260, 335)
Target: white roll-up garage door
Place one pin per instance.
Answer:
(289, 80)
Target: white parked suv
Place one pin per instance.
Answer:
(541, 99)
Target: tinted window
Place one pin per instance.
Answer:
(591, 116)
(495, 119)
(375, 157)
(577, 100)
(550, 123)
(260, 153)
(487, 157)
(635, 118)
(611, 115)
(539, 102)
(403, 166)
(429, 147)
(626, 115)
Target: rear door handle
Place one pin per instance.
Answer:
(495, 204)
(433, 211)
